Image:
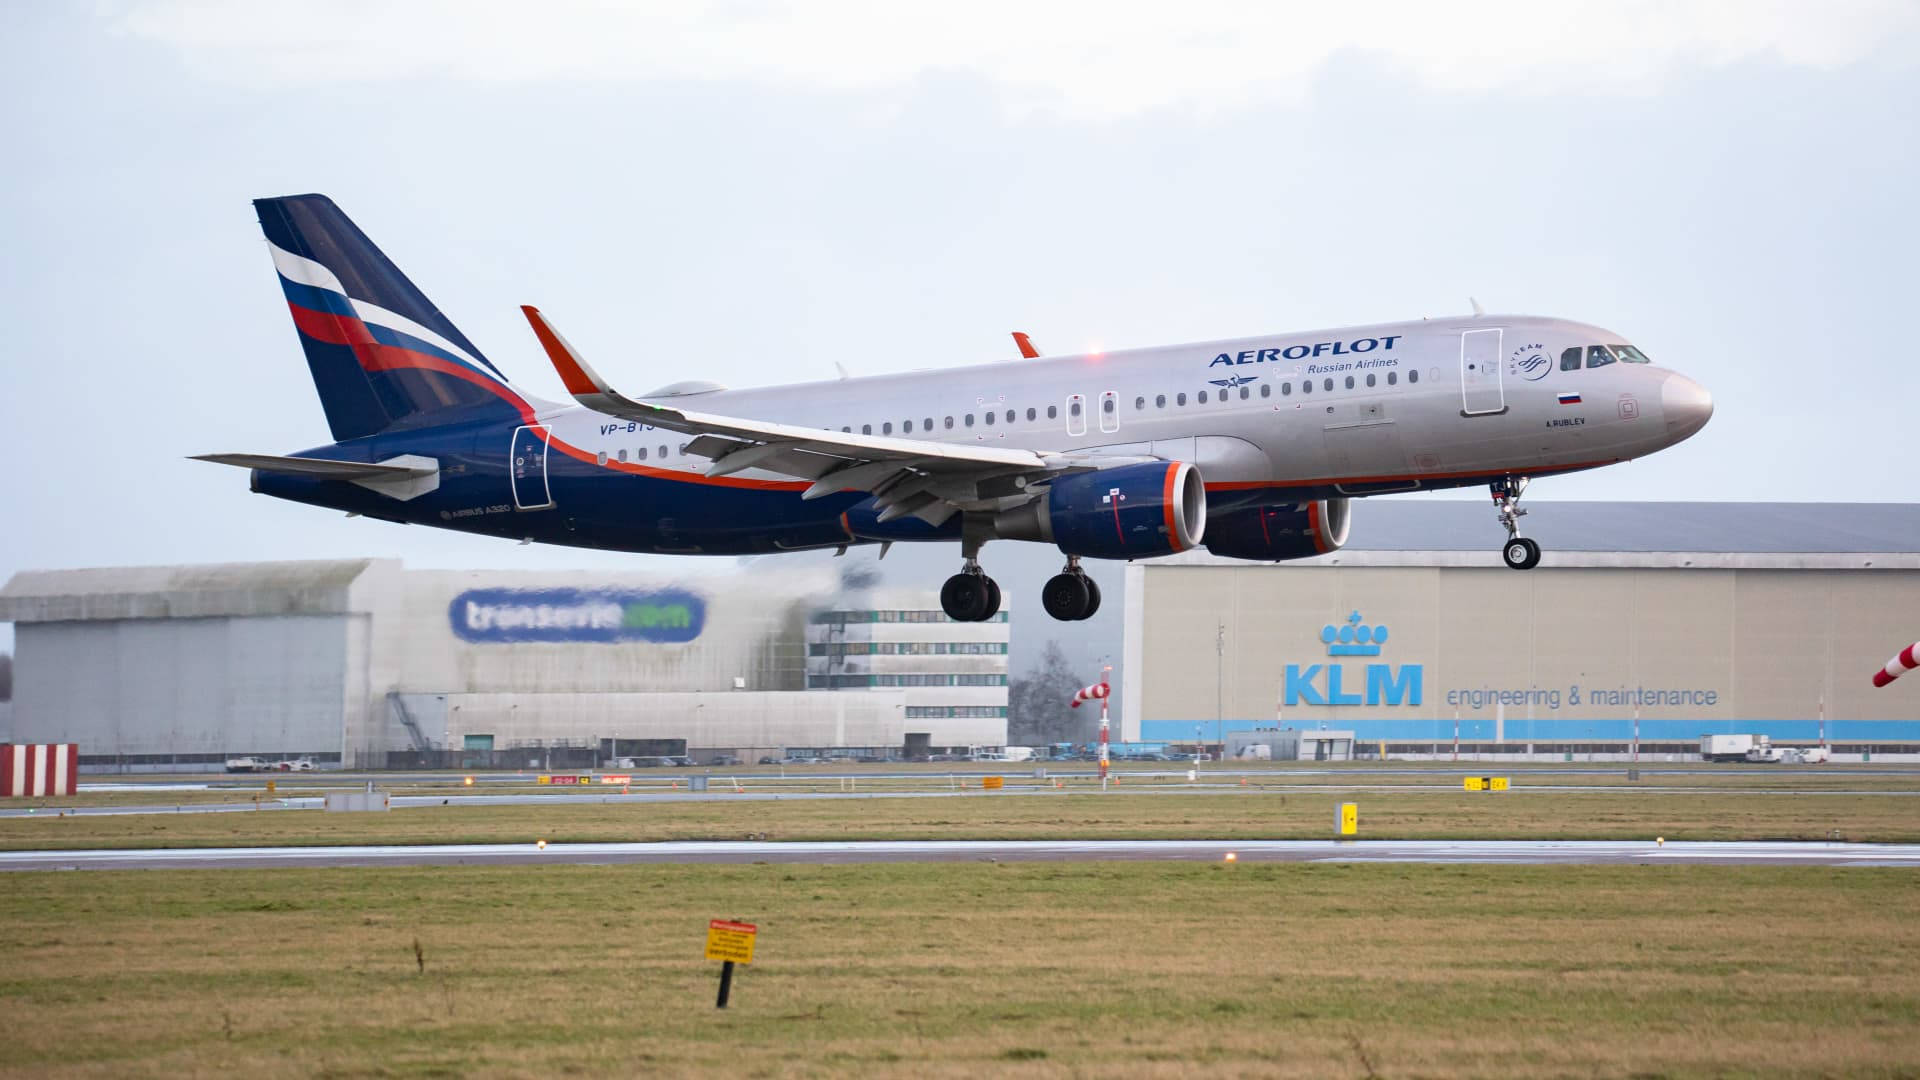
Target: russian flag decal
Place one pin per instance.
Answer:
(1569, 399)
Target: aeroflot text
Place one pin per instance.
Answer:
(1301, 352)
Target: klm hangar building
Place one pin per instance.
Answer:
(1663, 622)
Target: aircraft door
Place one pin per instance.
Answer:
(1109, 412)
(1076, 414)
(1480, 391)
(527, 465)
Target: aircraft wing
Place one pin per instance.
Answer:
(910, 476)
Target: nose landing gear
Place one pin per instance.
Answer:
(1520, 553)
(1071, 595)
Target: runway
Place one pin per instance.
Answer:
(1516, 852)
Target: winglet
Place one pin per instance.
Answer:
(1026, 345)
(574, 372)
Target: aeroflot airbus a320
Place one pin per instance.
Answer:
(1249, 447)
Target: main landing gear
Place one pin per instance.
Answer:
(970, 595)
(1071, 595)
(1520, 553)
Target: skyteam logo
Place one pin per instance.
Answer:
(1237, 380)
(1325, 684)
(605, 616)
(1530, 362)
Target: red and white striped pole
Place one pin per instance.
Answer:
(1906, 661)
(1098, 691)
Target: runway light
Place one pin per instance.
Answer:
(541, 844)
(1231, 857)
(468, 781)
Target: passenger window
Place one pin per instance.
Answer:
(1246, 393)
(1349, 382)
(1201, 397)
(1009, 416)
(1030, 415)
(1073, 407)
(1266, 389)
(663, 451)
(1392, 377)
(989, 417)
(1570, 360)
(1630, 355)
(1369, 378)
(926, 422)
(641, 453)
(1180, 399)
(1286, 389)
(969, 420)
(848, 430)
(1053, 412)
(1598, 356)
(1327, 385)
(600, 458)
(866, 429)
(623, 455)
(1413, 376)
(886, 428)
(1159, 401)
(1306, 386)
(949, 423)
(1139, 403)
(906, 427)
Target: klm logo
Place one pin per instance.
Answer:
(1325, 684)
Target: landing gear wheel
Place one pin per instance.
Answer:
(993, 601)
(1066, 597)
(1093, 599)
(1521, 553)
(965, 597)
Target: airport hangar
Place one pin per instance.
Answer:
(1684, 619)
(362, 663)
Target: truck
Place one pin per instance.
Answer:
(1729, 747)
(247, 764)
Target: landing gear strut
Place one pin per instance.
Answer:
(970, 595)
(1071, 595)
(1520, 553)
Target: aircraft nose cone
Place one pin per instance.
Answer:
(1686, 404)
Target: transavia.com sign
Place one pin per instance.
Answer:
(607, 616)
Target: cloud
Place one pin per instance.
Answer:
(1101, 58)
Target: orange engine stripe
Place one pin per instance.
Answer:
(1172, 510)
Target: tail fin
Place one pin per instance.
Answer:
(381, 353)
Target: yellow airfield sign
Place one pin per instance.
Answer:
(1348, 823)
(731, 941)
(1486, 783)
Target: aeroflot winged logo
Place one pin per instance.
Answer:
(606, 616)
(1324, 684)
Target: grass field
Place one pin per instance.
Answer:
(1261, 811)
(966, 970)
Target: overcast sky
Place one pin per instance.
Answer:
(752, 191)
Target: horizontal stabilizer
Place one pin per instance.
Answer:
(331, 470)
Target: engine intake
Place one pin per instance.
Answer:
(1127, 512)
(1274, 533)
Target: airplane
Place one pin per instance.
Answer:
(1251, 448)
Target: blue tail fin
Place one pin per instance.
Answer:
(381, 353)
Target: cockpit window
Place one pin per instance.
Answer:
(1598, 356)
(1630, 355)
(1570, 360)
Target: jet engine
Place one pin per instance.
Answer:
(1126, 512)
(1273, 533)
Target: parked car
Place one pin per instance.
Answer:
(870, 759)
(677, 761)
(725, 759)
(802, 760)
(769, 760)
(246, 764)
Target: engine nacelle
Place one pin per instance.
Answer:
(1273, 533)
(1126, 512)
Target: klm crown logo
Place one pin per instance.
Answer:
(1354, 639)
(1327, 684)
